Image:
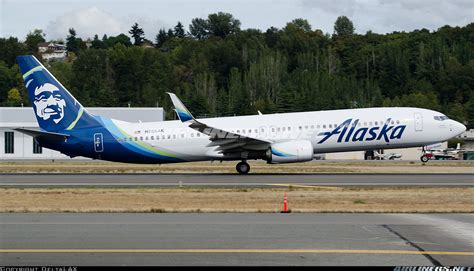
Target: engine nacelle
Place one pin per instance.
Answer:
(290, 152)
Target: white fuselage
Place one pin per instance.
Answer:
(363, 129)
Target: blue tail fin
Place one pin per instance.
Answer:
(55, 108)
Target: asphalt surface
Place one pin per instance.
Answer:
(237, 239)
(233, 180)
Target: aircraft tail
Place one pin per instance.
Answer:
(55, 108)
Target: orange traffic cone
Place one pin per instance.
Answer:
(285, 204)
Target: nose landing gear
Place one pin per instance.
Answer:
(243, 167)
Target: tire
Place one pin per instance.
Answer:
(424, 158)
(242, 167)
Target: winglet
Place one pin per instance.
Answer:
(183, 113)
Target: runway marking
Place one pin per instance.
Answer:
(309, 251)
(303, 186)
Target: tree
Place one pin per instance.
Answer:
(217, 24)
(161, 38)
(97, 43)
(199, 28)
(14, 97)
(300, 24)
(470, 112)
(120, 39)
(222, 24)
(179, 30)
(33, 38)
(343, 27)
(137, 34)
(71, 41)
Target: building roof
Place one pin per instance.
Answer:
(24, 116)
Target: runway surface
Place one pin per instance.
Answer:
(232, 180)
(237, 239)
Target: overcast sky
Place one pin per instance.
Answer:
(55, 17)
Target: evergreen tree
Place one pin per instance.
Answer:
(71, 41)
(179, 30)
(137, 34)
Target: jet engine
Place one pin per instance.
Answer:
(290, 152)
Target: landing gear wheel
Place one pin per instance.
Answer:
(424, 158)
(243, 167)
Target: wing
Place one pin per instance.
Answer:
(226, 142)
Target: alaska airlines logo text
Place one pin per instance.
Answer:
(346, 134)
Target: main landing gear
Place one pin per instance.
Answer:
(243, 167)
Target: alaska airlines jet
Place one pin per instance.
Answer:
(66, 126)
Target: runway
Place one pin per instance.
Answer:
(233, 180)
(237, 239)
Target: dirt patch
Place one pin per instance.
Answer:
(347, 199)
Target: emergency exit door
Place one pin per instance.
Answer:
(418, 122)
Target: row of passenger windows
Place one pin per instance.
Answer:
(359, 124)
(163, 137)
(255, 131)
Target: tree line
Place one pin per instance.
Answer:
(219, 69)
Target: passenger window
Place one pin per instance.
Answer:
(318, 127)
(174, 136)
(278, 129)
(330, 125)
(312, 126)
(192, 134)
(398, 122)
(324, 126)
(283, 129)
(136, 139)
(141, 138)
(376, 123)
(256, 131)
(198, 134)
(289, 129)
(250, 131)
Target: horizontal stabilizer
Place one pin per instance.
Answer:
(42, 134)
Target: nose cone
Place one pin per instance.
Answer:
(458, 128)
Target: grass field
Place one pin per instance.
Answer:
(317, 199)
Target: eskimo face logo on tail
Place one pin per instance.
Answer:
(49, 103)
(347, 132)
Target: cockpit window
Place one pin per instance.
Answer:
(440, 118)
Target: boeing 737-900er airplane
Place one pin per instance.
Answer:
(66, 126)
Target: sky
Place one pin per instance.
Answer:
(55, 17)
